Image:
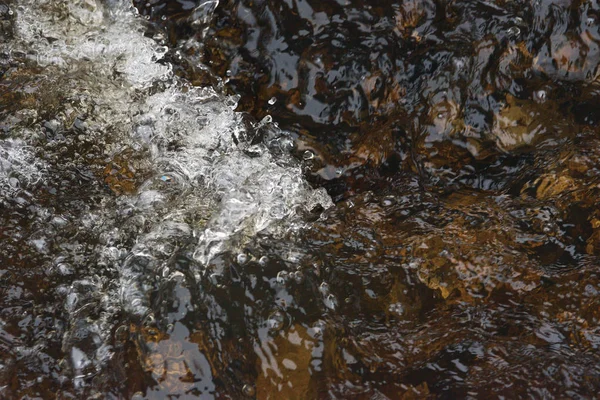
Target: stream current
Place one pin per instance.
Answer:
(299, 199)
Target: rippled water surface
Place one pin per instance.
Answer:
(298, 199)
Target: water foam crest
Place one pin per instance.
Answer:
(63, 33)
(211, 184)
(19, 167)
(253, 191)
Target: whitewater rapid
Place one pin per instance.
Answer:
(189, 169)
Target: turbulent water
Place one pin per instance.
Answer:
(299, 199)
(112, 169)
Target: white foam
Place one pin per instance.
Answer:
(253, 193)
(19, 167)
(65, 33)
(208, 183)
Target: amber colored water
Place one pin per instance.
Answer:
(459, 141)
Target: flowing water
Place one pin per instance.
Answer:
(360, 199)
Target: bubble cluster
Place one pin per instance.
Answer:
(122, 165)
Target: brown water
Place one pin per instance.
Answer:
(459, 142)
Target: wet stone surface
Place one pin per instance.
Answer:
(299, 199)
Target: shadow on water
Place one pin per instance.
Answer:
(458, 141)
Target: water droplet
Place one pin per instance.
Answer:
(263, 261)
(272, 101)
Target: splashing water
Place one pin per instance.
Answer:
(179, 168)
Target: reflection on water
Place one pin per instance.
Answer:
(158, 244)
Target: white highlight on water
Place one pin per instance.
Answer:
(208, 183)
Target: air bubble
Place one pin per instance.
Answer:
(215, 279)
(459, 63)
(317, 330)
(266, 120)
(388, 201)
(324, 288)
(276, 321)
(330, 302)
(64, 269)
(308, 155)
(282, 277)
(540, 96)
(272, 101)
(242, 258)
(286, 144)
(249, 390)
(513, 31)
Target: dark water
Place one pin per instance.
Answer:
(459, 142)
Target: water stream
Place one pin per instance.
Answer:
(299, 199)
